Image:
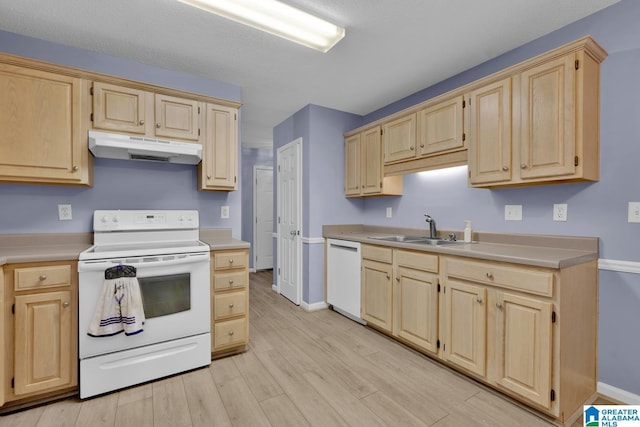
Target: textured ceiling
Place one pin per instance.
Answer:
(392, 48)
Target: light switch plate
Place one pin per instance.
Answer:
(513, 212)
(389, 212)
(560, 212)
(634, 212)
(65, 213)
(224, 212)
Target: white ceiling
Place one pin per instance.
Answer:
(392, 48)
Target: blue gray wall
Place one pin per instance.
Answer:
(594, 209)
(118, 184)
(251, 157)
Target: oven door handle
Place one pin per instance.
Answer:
(146, 261)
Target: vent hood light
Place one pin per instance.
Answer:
(126, 147)
(276, 18)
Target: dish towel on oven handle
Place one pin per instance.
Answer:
(119, 308)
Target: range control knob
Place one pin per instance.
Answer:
(116, 219)
(105, 219)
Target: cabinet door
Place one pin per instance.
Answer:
(41, 127)
(465, 325)
(417, 308)
(548, 119)
(377, 294)
(490, 133)
(220, 159)
(524, 333)
(176, 117)
(371, 167)
(440, 127)
(399, 139)
(352, 166)
(43, 342)
(118, 108)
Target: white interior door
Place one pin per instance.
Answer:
(289, 160)
(262, 217)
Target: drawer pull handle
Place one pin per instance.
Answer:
(65, 304)
(479, 300)
(42, 278)
(489, 275)
(499, 304)
(231, 305)
(230, 333)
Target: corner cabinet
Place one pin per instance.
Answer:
(40, 331)
(43, 126)
(541, 124)
(219, 167)
(363, 166)
(229, 301)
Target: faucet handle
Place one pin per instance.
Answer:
(452, 237)
(428, 218)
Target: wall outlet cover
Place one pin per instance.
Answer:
(224, 212)
(560, 212)
(634, 212)
(65, 213)
(389, 212)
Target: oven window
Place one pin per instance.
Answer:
(163, 295)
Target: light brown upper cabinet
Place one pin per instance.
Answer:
(43, 133)
(399, 139)
(441, 127)
(218, 169)
(363, 166)
(554, 122)
(124, 109)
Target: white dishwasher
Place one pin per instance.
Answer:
(343, 277)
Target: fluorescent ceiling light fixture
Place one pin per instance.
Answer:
(276, 18)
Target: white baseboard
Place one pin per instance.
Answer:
(274, 287)
(618, 394)
(252, 270)
(315, 306)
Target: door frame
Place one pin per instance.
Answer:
(255, 212)
(298, 245)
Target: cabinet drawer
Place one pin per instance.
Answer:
(230, 333)
(229, 305)
(377, 253)
(417, 260)
(42, 277)
(519, 278)
(227, 260)
(233, 280)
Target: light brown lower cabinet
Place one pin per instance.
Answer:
(39, 331)
(229, 301)
(529, 332)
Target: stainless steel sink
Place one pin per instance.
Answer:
(420, 240)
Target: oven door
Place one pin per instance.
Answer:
(176, 298)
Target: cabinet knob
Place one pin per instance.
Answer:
(421, 145)
(505, 168)
(65, 304)
(42, 278)
(363, 186)
(489, 275)
(479, 300)
(388, 277)
(397, 279)
(231, 281)
(231, 305)
(499, 304)
(231, 261)
(158, 125)
(523, 166)
(141, 122)
(75, 168)
(208, 176)
(230, 333)
(412, 148)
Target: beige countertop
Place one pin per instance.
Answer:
(17, 248)
(527, 249)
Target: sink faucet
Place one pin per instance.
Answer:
(433, 233)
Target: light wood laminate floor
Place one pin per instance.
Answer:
(301, 369)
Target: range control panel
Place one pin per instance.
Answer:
(132, 220)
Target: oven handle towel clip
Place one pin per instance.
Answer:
(119, 308)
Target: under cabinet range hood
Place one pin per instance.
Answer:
(127, 147)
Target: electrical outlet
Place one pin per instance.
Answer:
(64, 212)
(224, 212)
(560, 212)
(389, 212)
(634, 212)
(513, 212)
